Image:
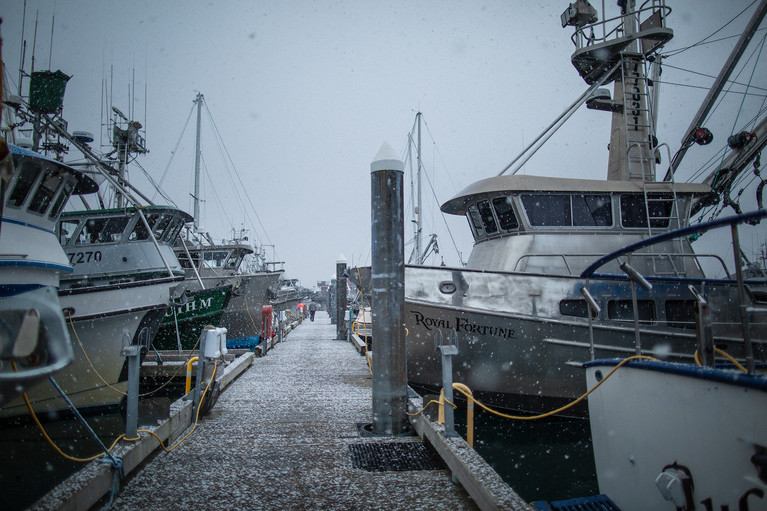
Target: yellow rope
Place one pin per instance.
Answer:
(121, 437)
(544, 415)
(82, 347)
(725, 355)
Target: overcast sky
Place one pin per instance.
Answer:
(304, 93)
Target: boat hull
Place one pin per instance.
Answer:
(648, 416)
(515, 347)
(100, 322)
(183, 323)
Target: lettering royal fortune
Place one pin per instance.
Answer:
(462, 325)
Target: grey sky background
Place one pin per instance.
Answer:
(304, 93)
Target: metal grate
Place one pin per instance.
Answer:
(395, 456)
(599, 502)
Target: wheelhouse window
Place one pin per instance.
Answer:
(67, 229)
(61, 200)
(43, 196)
(577, 210)
(140, 232)
(102, 230)
(488, 218)
(635, 211)
(505, 213)
(623, 310)
(27, 177)
(215, 259)
(171, 232)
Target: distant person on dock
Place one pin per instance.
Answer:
(312, 310)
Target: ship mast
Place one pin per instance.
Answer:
(198, 101)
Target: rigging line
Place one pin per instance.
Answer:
(175, 148)
(154, 184)
(449, 233)
(702, 41)
(676, 84)
(215, 127)
(441, 158)
(222, 211)
(236, 189)
(740, 109)
(701, 74)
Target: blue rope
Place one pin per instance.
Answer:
(116, 461)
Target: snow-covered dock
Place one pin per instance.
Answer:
(286, 435)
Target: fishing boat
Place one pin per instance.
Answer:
(525, 312)
(122, 259)
(232, 264)
(214, 265)
(683, 436)
(34, 342)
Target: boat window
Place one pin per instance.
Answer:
(214, 259)
(580, 210)
(623, 310)
(486, 214)
(233, 262)
(577, 307)
(547, 210)
(476, 222)
(634, 211)
(139, 232)
(102, 230)
(505, 213)
(184, 260)
(172, 231)
(680, 313)
(52, 178)
(27, 176)
(592, 210)
(67, 229)
(162, 226)
(66, 191)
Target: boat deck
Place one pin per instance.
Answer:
(283, 436)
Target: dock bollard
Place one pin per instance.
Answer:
(388, 294)
(469, 412)
(188, 385)
(340, 296)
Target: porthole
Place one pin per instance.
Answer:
(447, 287)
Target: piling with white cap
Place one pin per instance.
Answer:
(388, 294)
(340, 296)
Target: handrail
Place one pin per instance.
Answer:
(754, 216)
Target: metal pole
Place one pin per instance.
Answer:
(742, 300)
(448, 351)
(196, 197)
(419, 222)
(133, 353)
(340, 296)
(388, 294)
(200, 371)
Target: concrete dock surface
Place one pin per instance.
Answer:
(282, 436)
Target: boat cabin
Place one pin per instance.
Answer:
(544, 224)
(107, 242)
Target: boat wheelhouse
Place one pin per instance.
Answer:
(35, 342)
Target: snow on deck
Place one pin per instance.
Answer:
(278, 438)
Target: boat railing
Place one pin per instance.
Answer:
(703, 313)
(568, 261)
(753, 218)
(614, 28)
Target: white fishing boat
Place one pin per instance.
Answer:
(34, 342)
(518, 311)
(122, 260)
(682, 436)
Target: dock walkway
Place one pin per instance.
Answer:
(280, 437)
